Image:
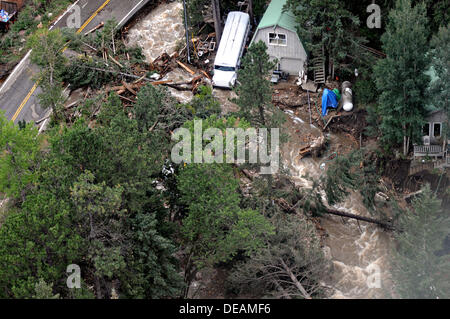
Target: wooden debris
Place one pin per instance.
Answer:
(185, 67)
(129, 88)
(95, 28)
(115, 61)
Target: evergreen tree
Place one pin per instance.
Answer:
(291, 264)
(215, 228)
(254, 89)
(327, 24)
(439, 89)
(48, 54)
(20, 155)
(400, 76)
(419, 270)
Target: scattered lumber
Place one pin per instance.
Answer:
(129, 87)
(115, 61)
(126, 99)
(185, 67)
(161, 82)
(314, 148)
(95, 28)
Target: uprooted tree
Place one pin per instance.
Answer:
(291, 265)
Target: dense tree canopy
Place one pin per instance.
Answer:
(401, 78)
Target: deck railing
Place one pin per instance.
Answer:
(431, 150)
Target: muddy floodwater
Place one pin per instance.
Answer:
(359, 252)
(159, 31)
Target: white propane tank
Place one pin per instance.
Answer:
(347, 96)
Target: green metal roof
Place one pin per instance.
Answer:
(274, 16)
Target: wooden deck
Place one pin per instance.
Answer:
(428, 150)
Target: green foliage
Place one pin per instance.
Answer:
(293, 249)
(328, 24)
(94, 204)
(365, 91)
(342, 175)
(438, 13)
(100, 220)
(44, 291)
(81, 72)
(37, 242)
(204, 104)
(156, 108)
(439, 91)
(400, 76)
(355, 171)
(215, 147)
(215, 228)
(19, 157)
(419, 270)
(48, 54)
(254, 90)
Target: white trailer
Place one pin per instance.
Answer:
(231, 48)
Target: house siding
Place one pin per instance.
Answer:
(292, 57)
(436, 117)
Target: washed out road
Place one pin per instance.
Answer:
(19, 93)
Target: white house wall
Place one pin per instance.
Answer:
(292, 57)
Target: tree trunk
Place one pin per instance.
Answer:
(250, 10)
(295, 281)
(365, 219)
(217, 19)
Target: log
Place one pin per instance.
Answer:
(95, 28)
(362, 218)
(184, 66)
(295, 281)
(115, 61)
(161, 82)
(126, 99)
(129, 88)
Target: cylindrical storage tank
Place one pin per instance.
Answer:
(347, 96)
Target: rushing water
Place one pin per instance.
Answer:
(358, 251)
(159, 31)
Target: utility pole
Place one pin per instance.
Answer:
(217, 19)
(250, 10)
(186, 26)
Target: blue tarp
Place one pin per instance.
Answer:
(329, 99)
(4, 16)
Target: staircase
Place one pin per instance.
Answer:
(319, 67)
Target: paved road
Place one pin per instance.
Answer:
(19, 93)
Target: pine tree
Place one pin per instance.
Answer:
(439, 89)
(400, 76)
(48, 54)
(419, 270)
(254, 89)
(327, 24)
(291, 264)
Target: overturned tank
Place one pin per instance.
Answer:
(347, 96)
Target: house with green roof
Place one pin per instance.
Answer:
(278, 30)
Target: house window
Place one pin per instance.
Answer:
(277, 39)
(426, 129)
(437, 128)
